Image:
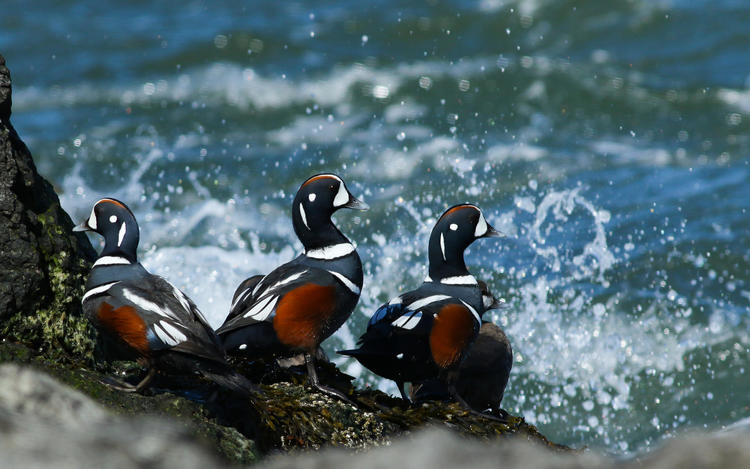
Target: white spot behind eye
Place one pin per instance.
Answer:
(453, 227)
(113, 219)
(311, 197)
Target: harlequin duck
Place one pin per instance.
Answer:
(425, 333)
(143, 317)
(483, 375)
(301, 303)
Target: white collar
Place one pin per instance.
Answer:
(111, 260)
(457, 280)
(331, 252)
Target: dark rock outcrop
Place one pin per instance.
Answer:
(44, 264)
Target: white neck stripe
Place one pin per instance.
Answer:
(331, 252)
(473, 311)
(348, 283)
(459, 280)
(97, 290)
(303, 215)
(442, 245)
(111, 260)
(121, 235)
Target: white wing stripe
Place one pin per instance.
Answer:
(164, 336)
(426, 301)
(265, 312)
(97, 290)
(257, 307)
(173, 331)
(289, 279)
(408, 321)
(239, 299)
(257, 287)
(348, 283)
(148, 305)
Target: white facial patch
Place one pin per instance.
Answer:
(113, 219)
(303, 215)
(487, 301)
(442, 245)
(481, 228)
(121, 235)
(342, 196)
(312, 197)
(453, 227)
(92, 218)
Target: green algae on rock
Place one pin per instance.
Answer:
(45, 263)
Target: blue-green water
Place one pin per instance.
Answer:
(610, 140)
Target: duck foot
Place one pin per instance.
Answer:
(471, 410)
(312, 376)
(127, 387)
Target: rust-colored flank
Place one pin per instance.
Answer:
(451, 334)
(301, 314)
(125, 323)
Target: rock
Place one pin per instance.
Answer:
(44, 263)
(82, 386)
(440, 449)
(45, 424)
(716, 451)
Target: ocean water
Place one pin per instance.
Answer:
(609, 140)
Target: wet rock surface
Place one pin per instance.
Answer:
(44, 263)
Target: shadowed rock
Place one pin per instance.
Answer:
(44, 264)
